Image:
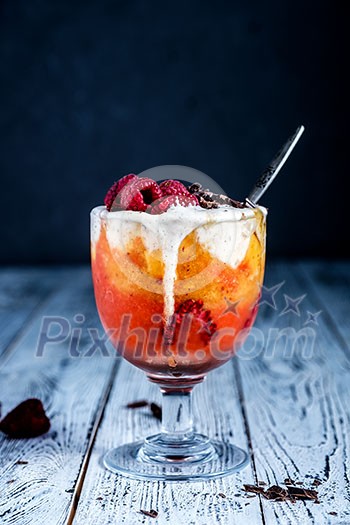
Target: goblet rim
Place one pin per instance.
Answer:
(215, 214)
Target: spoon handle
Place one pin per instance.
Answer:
(272, 170)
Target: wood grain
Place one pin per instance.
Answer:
(330, 283)
(289, 407)
(71, 389)
(297, 406)
(22, 292)
(107, 498)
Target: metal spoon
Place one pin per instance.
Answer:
(272, 170)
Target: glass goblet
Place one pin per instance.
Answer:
(177, 293)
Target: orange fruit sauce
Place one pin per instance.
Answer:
(130, 301)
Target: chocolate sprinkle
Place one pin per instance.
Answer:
(222, 495)
(150, 513)
(156, 411)
(137, 404)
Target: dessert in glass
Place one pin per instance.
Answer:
(177, 275)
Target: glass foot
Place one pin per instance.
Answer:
(195, 459)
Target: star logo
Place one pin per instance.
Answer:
(292, 305)
(312, 317)
(207, 328)
(268, 295)
(231, 307)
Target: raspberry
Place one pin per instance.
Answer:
(115, 189)
(173, 200)
(27, 420)
(200, 318)
(173, 187)
(190, 306)
(195, 308)
(138, 194)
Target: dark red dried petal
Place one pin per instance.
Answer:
(173, 187)
(27, 420)
(139, 194)
(116, 188)
(165, 203)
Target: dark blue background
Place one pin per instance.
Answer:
(91, 90)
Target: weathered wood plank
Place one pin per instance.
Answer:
(107, 498)
(297, 409)
(330, 282)
(71, 389)
(297, 403)
(22, 291)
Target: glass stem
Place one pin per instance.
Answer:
(177, 423)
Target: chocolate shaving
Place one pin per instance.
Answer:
(253, 488)
(150, 513)
(208, 199)
(289, 481)
(302, 493)
(21, 462)
(316, 482)
(156, 411)
(333, 513)
(137, 404)
(277, 493)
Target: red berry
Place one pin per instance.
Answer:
(194, 308)
(114, 190)
(173, 200)
(173, 187)
(27, 420)
(138, 194)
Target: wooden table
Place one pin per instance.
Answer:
(288, 405)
